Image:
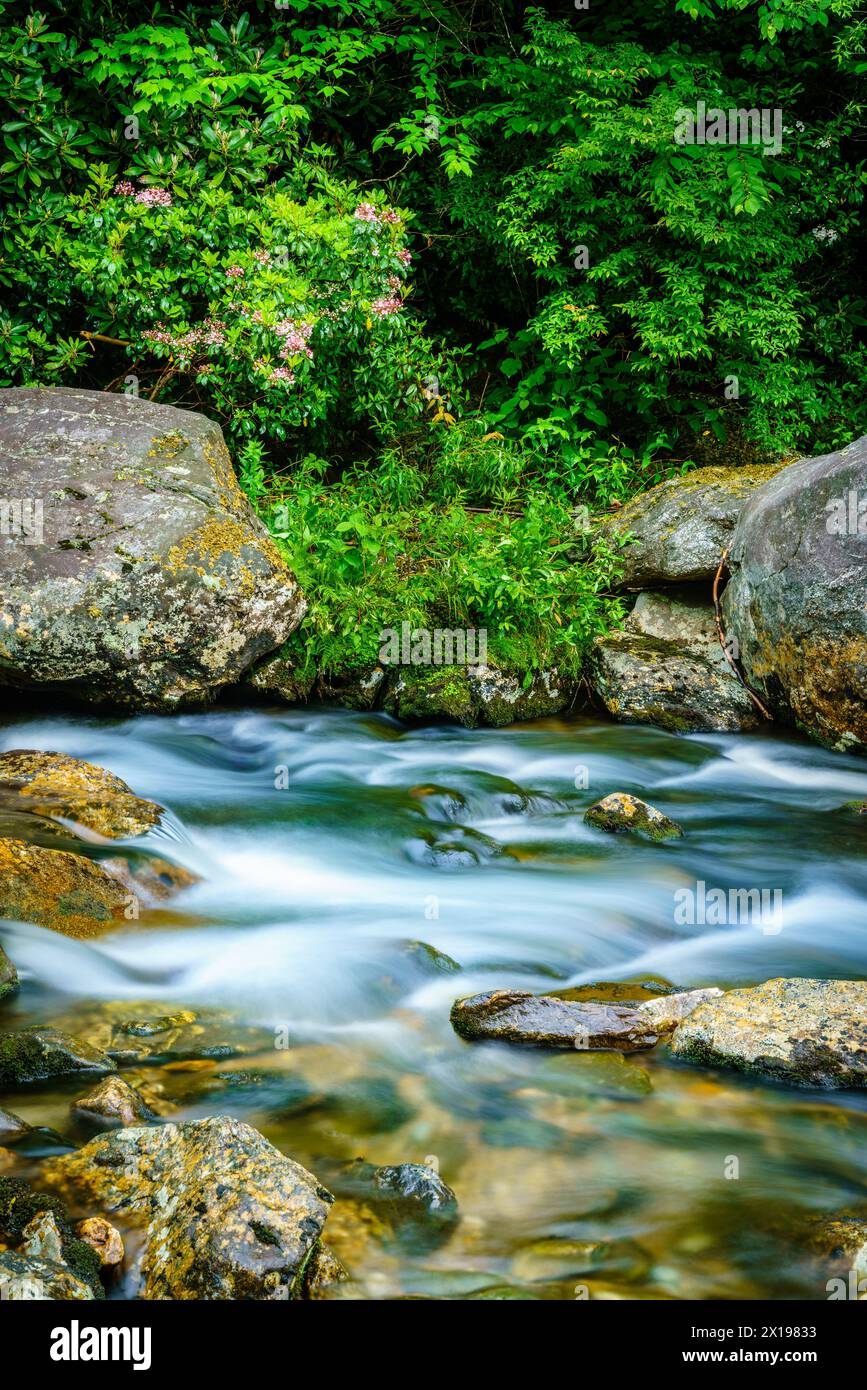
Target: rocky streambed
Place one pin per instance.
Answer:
(438, 1012)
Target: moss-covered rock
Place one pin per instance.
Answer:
(801, 1031)
(66, 892)
(154, 584)
(795, 600)
(419, 693)
(36, 1054)
(643, 679)
(505, 697)
(8, 976)
(619, 812)
(681, 527)
(59, 787)
(224, 1215)
(38, 1225)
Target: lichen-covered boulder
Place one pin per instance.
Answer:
(797, 599)
(473, 695)
(36, 1054)
(66, 892)
(682, 526)
(224, 1214)
(59, 787)
(148, 582)
(542, 1020)
(619, 812)
(804, 1032)
(651, 680)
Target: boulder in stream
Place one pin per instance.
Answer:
(801, 1031)
(224, 1214)
(145, 580)
(620, 812)
(59, 787)
(795, 602)
(68, 893)
(37, 1054)
(542, 1020)
(112, 1102)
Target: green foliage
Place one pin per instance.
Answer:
(381, 548)
(591, 304)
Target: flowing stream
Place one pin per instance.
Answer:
(340, 854)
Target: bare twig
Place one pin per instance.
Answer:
(722, 641)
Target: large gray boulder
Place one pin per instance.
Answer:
(132, 569)
(681, 527)
(797, 599)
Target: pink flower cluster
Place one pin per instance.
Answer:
(209, 334)
(263, 257)
(386, 304)
(295, 337)
(154, 197)
(366, 212)
(123, 188)
(404, 257)
(235, 272)
(284, 374)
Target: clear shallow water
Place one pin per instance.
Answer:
(328, 843)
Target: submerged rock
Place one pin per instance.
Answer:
(795, 600)
(653, 680)
(619, 812)
(542, 1020)
(112, 1102)
(8, 976)
(35, 1054)
(151, 583)
(801, 1031)
(58, 787)
(224, 1214)
(66, 892)
(681, 526)
(416, 1192)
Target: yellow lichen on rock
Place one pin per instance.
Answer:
(64, 788)
(65, 892)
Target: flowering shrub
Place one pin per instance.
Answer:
(276, 316)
